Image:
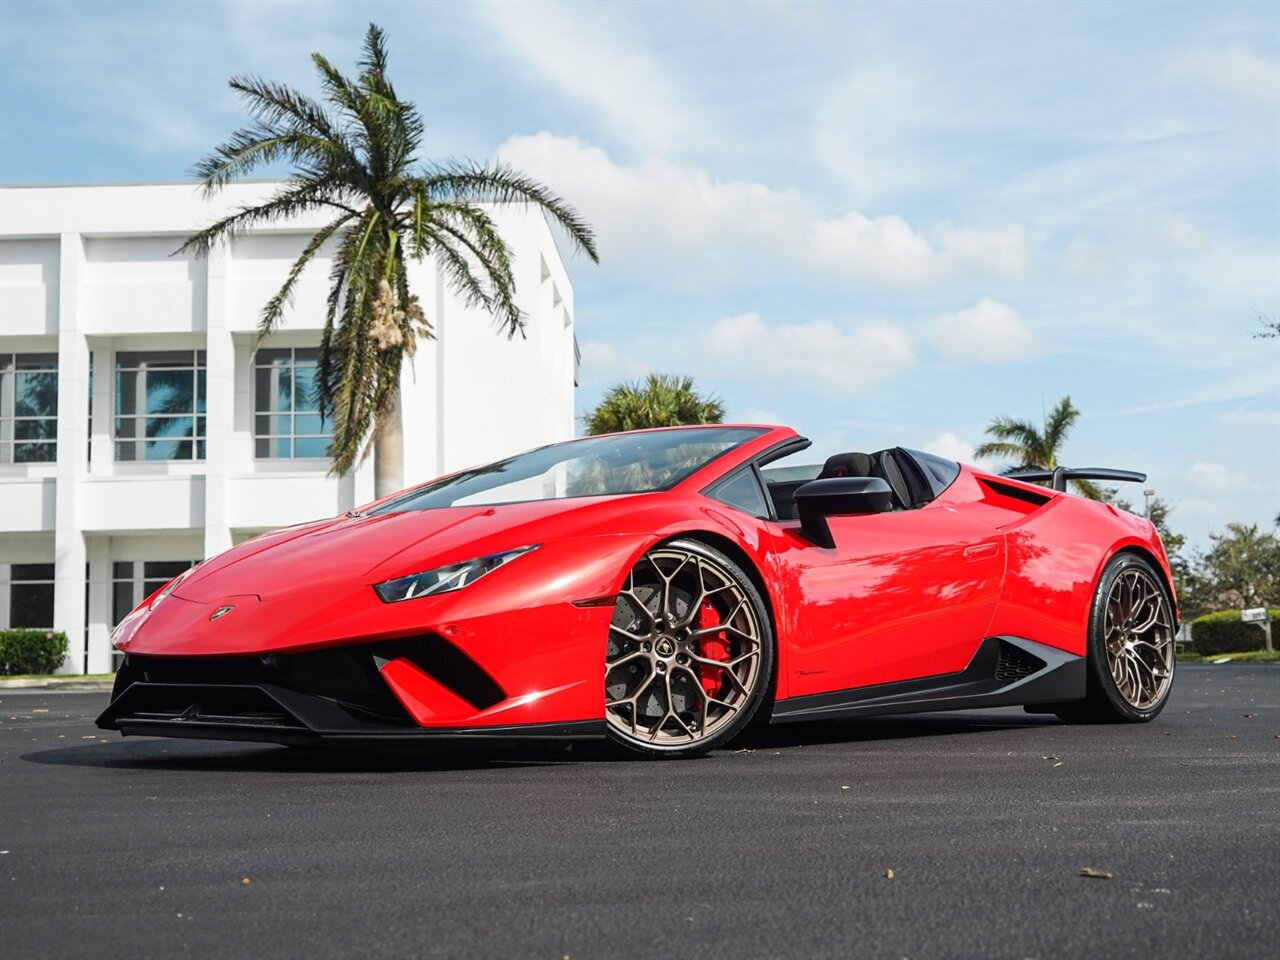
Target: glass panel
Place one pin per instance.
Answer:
(262, 389)
(121, 599)
(36, 394)
(126, 450)
(742, 492)
(155, 359)
(171, 428)
(35, 452)
(262, 448)
(126, 393)
(31, 571)
(6, 393)
(164, 571)
(311, 447)
(36, 361)
(637, 462)
(126, 428)
(305, 395)
(167, 450)
(308, 423)
(200, 450)
(170, 391)
(272, 426)
(282, 377)
(201, 392)
(266, 358)
(31, 605)
(122, 570)
(6, 362)
(35, 429)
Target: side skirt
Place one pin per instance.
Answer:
(1004, 672)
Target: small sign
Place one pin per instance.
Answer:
(1254, 615)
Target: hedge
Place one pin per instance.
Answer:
(31, 651)
(1225, 632)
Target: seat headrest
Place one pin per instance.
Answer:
(847, 465)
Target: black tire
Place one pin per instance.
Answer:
(667, 694)
(1122, 644)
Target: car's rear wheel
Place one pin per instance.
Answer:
(689, 655)
(1130, 647)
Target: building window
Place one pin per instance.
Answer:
(160, 400)
(28, 407)
(286, 405)
(31, 595)
(134, 581)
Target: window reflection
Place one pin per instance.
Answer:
(28, 407)
(160, 405)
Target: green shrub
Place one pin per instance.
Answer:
(1224, 632)
(31, 651)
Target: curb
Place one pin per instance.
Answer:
(57, 684)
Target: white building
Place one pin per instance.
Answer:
(139, 431)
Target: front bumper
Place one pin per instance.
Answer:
(412, 688)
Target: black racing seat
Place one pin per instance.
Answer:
(892, 473)
(894, 466)
(849, 465)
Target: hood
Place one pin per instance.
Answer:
(367, 549)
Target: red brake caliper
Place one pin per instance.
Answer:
(711, 646)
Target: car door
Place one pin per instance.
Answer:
(901, 595)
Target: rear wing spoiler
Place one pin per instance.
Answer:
(1060, 475)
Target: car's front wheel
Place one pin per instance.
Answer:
(689, 656)
(1130, 646)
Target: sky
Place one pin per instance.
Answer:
(882, 224)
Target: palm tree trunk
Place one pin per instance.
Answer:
(388, 448)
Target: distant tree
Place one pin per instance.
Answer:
(1270, 327)
(1157, 510)
(354, 160)
(660, 400)
(1240, 569)
(1024, 446)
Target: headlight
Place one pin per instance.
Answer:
(171, 586)
(445, 579)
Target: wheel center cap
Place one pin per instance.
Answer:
(665, 647)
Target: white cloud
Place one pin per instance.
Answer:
(583, 53)
(756, 415)
(844, 361)
(952, 447)
(603, 361)
(1209, 477)
(987, 332)
(660, 216)
(1234, 70)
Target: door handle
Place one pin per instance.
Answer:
(981, 551)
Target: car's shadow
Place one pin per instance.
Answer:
(146, 753)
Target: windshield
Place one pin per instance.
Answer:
(639, 462)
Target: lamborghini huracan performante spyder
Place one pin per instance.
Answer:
(659, 590)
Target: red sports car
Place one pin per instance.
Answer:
(660, 590)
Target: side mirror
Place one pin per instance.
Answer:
(838, 496)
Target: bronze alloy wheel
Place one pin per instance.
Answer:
(1130, 654)
(1138, 637)
(689, 653)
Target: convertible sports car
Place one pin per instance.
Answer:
(660, 590)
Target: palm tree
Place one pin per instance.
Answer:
(1029, 448)
(660, 400)
(353, 156)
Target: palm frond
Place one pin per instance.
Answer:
(274, 309)
(475, 183)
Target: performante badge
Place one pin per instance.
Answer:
(221, 612)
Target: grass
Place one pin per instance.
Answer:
(63, 677)
(1252, 656)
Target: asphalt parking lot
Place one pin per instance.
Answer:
(780, 847)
